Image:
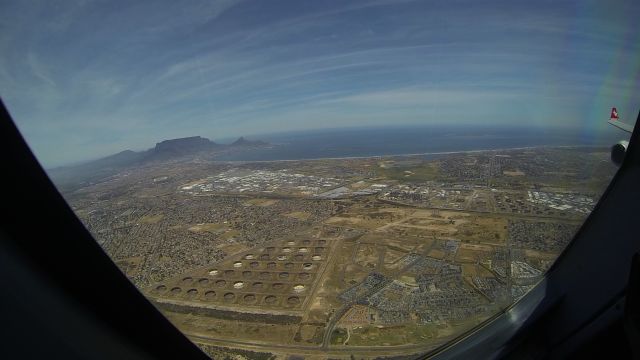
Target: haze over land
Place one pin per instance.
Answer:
(331, 143)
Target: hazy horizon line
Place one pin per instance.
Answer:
(227, 140)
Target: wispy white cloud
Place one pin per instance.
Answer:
(93, 77)
(430, 97)
(38, 70)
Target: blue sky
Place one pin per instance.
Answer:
(88, 78)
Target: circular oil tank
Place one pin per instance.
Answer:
(238, 285)
(277, 286)
(299, 288)
(307, 266)
(282, 257)
(306, 242)
(265, 275)
(213, 272)
(286, 250)
(229, 296)
(289, 266)
(293, 300)
(283, 275)
(203, 281)
(316, 258)
(187, 280)
(221, 283)
(249, 298)
(304, 276)
(237, 264)
(303, 250)
(270, 299)
(257, 285)
(176, 290)
(210, 295)
(291, 243)
(161, 288)
(191, 293)
(249, 257)
(322, 242)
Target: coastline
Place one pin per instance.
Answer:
(409, 154)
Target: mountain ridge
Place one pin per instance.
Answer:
(65, 176)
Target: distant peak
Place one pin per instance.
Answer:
(184, 145)
(244, 142)
(185, 140)
(241, 140)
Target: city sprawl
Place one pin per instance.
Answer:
(335, 257)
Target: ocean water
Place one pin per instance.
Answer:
(366, 142)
